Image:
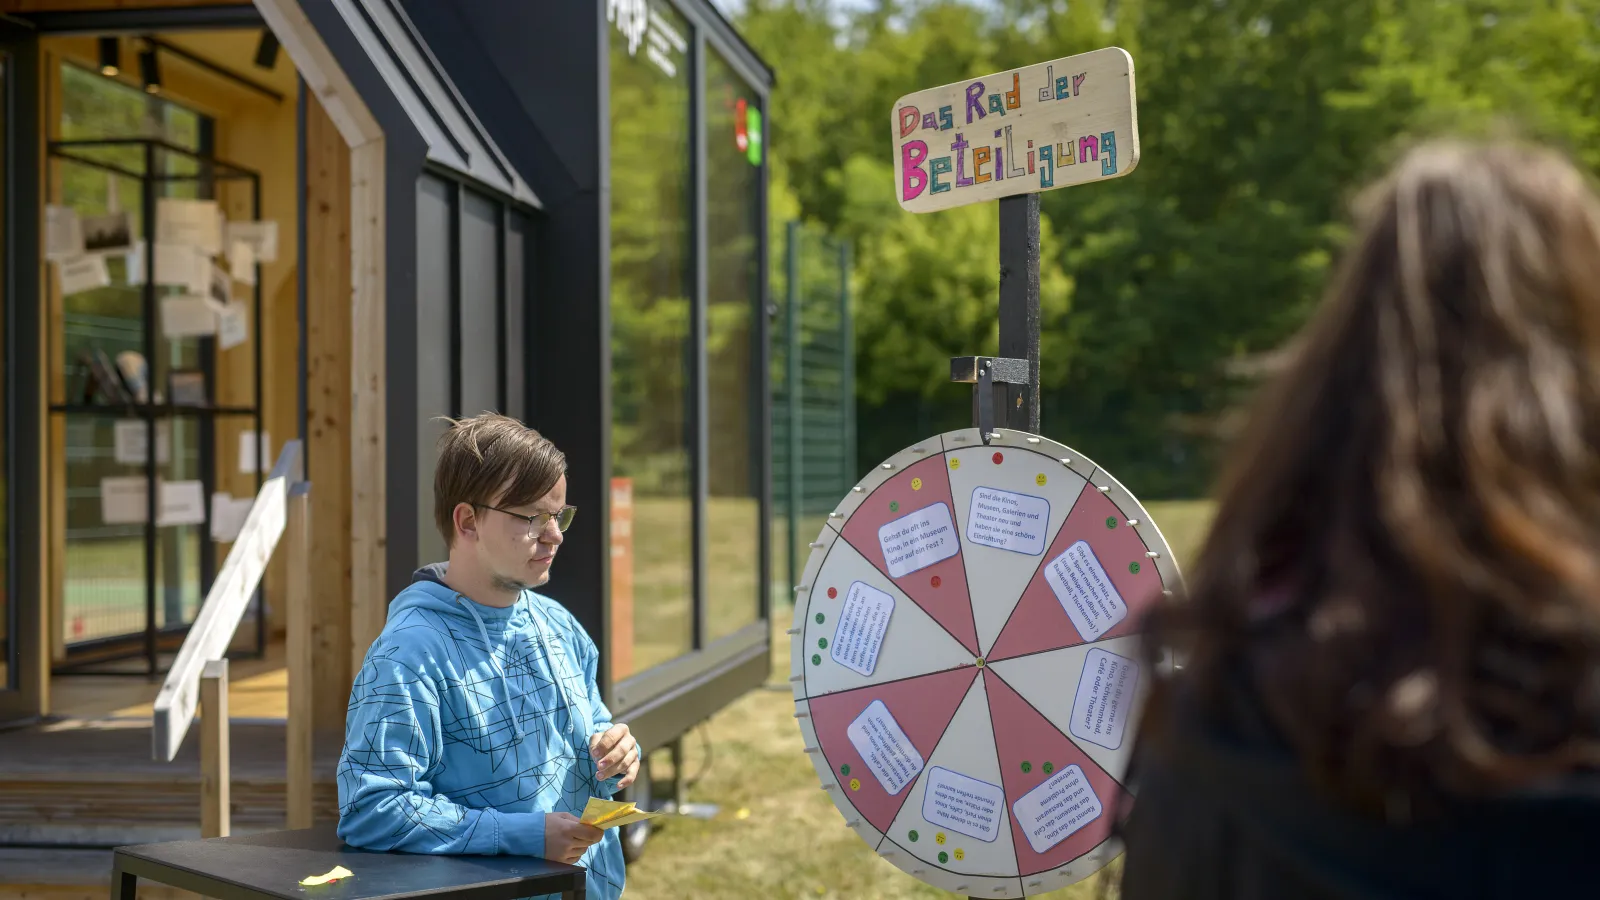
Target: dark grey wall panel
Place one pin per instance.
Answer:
(516, 334)
(480, 331)
(433, 352)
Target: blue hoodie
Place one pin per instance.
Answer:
(434, 760)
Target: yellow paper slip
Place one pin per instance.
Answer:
(337, 873)
(612, 813)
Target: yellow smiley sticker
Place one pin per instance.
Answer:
(939, 838)
(955, 463)
(1040, 480)
(960, 853)
(916, 484)
(855, 784)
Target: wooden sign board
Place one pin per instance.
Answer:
(1052, 125)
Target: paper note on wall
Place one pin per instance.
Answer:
(123, 501)
(63, 232)
(253, 454)
(192, 222)
(82, 273)
(242, 262)
(187, 316)
(130, 447)
(261, 236)
(227, 515)
(233, 327)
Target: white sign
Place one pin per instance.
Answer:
(1105, 692)
(233, 326)
(885, 748)
(962, 804)
(1051, 125)
(63, 232)
(1055, 810)
(242, 263)
(192, 222)
(918, 540)
(129, 445)
(187, 316)
(1008, 521)
(253, 454)
(123, 501)
(227, 515)
(1085, 591)
(261, 237)
(862, 625)
(83, 273)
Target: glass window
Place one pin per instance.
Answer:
(480, 359)
(104, 563)
(651, 243)
(733, 300)
(433, 351)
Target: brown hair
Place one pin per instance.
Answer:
(491, 459)
(1405, 565)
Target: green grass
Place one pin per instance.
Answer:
(776, 835)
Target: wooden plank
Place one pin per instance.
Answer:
(324, 79)
(328, 395)
(214, 776)
(368, 460)
(300, 724)
(224, 604)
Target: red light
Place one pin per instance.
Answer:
(741, 136)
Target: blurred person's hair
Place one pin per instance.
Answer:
(1405, 564)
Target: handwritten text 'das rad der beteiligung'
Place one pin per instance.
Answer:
(1051, 125)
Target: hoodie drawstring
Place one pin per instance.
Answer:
(504, 681)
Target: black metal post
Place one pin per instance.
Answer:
(1019, 305)
(791, 378)
(152, 378)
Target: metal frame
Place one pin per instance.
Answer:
(138, 21)
(210, 170)
(21, 692)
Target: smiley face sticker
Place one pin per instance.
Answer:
(916, 484)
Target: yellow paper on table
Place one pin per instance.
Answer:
(612, 813)
(337, 873)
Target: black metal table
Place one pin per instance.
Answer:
(271, 865)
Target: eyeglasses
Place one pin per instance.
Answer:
(538, 521)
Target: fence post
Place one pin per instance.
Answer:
(847, 374)
(214, 775)
(298, 596)
(792, 385)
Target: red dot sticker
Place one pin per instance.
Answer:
(936, 581)
(999, 458)
(832, 593)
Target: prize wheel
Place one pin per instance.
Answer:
(965, 659)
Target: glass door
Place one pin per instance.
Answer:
(23, 652)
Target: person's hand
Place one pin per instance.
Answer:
(615, 752)
(565, 837)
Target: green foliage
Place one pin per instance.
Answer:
(1258, 120)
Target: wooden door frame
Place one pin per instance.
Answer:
(328, 83)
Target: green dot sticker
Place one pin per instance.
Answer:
(816, 659)
(894, 506)
(913, 835)
(1049, 767)
(1133, 567)
(822, 643)
(980, 662)
(1111, 521)
(821, 618)
(1027, 767)
(944, 857)
(844, 769)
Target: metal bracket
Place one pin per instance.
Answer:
(983, 373)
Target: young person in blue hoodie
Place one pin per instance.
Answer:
(476, 724)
